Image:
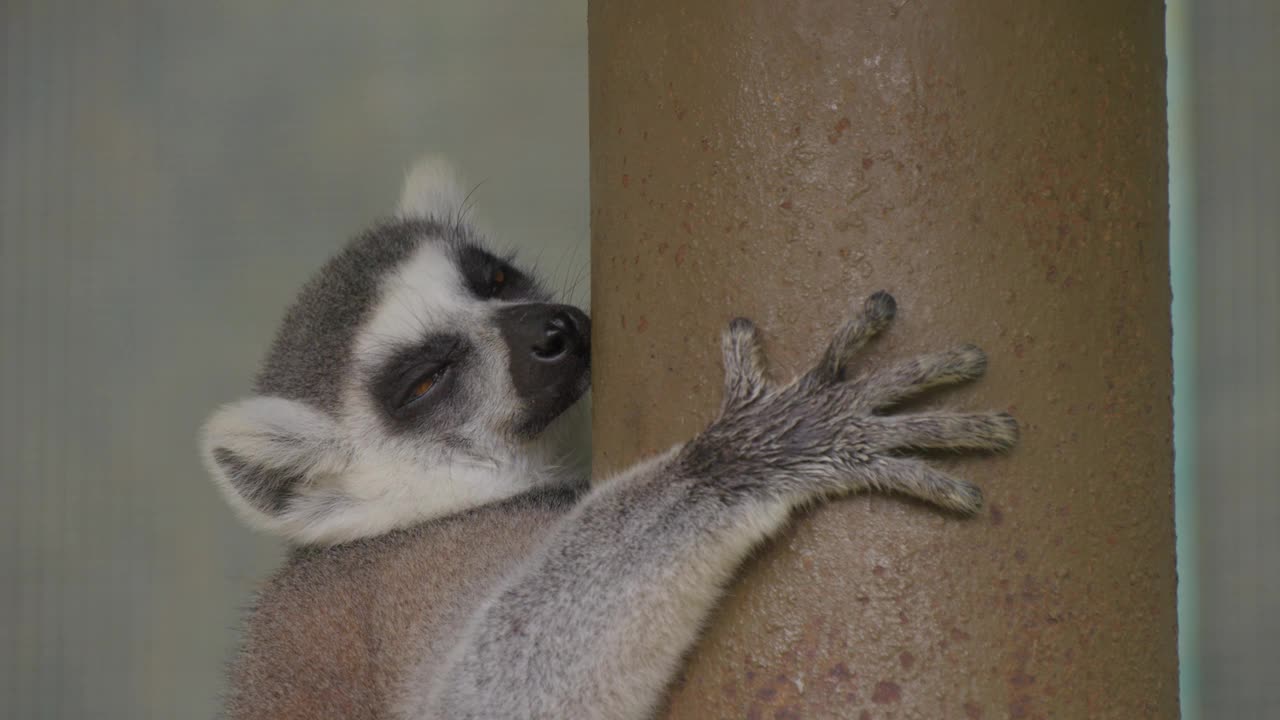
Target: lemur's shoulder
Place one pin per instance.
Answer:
(333, 631)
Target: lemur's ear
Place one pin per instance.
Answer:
(431, 190)
(266, 452)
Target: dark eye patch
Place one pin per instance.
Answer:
(436, 358)
(490, 277)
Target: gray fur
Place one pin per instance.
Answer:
(877, 313)
(310, 358)
(335, 631)
(335, 445)
(906, 379)
(595, 622)
(267, 488)
(484, 583)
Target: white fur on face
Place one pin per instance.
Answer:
(395, 481)
(426, 293)
(426, 296)
(352, 477)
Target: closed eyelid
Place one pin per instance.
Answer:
(419, 358)
(408, 362)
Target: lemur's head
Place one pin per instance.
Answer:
(413, 377)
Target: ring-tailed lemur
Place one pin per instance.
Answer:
(444, 568)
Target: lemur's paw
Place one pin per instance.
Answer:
(745, 371)
(839, 434)
(954, 494)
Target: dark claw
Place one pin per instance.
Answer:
(880, 307)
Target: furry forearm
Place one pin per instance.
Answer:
(596, 622)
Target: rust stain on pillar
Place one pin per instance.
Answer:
(999, 165)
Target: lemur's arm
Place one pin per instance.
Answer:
(597, 621)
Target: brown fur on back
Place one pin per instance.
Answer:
(332, 633)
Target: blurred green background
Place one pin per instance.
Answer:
(171, 172)
(1224, 192)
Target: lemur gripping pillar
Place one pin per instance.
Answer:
(1000, 167)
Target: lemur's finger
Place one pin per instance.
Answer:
(943, 431)
(918, 479)
(745, 365)
(887, 386)
(876, 313)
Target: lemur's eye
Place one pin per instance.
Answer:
(423, 385)
(415, 378)
(497, 281)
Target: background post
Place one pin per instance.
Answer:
(1000, 167)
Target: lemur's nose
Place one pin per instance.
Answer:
(567, 332)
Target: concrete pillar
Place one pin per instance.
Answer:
(1000, 167)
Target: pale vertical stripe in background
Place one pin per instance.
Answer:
(1236, 129)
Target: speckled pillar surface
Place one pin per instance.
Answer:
(1000, 167)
